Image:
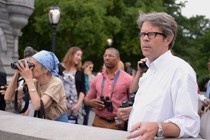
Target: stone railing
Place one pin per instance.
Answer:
(18, 127)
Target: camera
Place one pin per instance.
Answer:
(14, 64)
(129, 102)
(143, 66)
(107, 102)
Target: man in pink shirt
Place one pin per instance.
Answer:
(108, 90)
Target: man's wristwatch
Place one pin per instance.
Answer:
(160, 131)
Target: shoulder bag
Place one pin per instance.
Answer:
(41, 112)
(205, 121)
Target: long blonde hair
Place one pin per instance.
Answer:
(86, 64)
(68, 60)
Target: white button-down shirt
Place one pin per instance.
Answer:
(168, 93)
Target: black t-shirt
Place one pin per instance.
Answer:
(3, 81)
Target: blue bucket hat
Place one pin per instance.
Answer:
(48, 60)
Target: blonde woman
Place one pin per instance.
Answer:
(88, 69)
(74, 84)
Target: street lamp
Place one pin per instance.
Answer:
(109, 42)
(54, 17)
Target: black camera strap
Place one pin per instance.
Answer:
(25, 98)
(113, 84)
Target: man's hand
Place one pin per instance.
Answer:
(206, 102)
(123, 113)
(144, 130)
(96, 103)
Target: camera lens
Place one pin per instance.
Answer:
(30, 65)
(124, 104)
(14, 64)
(109, 104)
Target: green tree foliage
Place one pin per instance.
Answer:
(191, 44)
(89, 23)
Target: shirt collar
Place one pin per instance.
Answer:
(161, 61)
(105, 74)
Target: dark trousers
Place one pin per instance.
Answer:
(86, 117)
(3, 82)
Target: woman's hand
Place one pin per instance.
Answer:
(75, 108)
(24, 70)
(3, 89)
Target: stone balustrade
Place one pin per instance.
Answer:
(18, 127)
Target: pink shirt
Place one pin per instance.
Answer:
(120, 92)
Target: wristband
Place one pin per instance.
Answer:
(32, 90)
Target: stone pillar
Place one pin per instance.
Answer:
(14, 16)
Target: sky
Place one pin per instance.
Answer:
(196, 7)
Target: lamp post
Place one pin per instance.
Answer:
(54, 17)
(109, 42)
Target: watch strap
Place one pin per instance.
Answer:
(160, 131)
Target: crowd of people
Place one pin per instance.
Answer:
(165, 101)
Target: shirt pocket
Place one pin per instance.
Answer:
(121, 92)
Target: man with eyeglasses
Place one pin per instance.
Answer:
(166, 101)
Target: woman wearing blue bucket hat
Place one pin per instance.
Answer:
(45, 88)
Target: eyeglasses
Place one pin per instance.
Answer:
(150, 35)
(108, 55)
